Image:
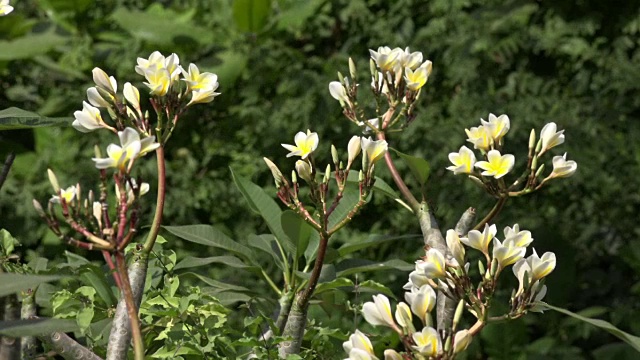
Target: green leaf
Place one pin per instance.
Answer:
(12, 283)
(232, 261)
(267, 244)
(375, 287)
(265, 206)
(176, 29)
(98, 280)
(30, 45)
(233, 63)
(219, 285)
(352, 266)
(332, 285)
(349, 200)
(251, 15)
(632, 340)
(295, 17)
(210, 236)
(419, 167)
(373, 240)
(297, 230)
(8, 242)
(379, 185)
(14, 118)
(33, 327)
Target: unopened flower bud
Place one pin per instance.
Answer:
(97, 152)
(494, 266)
(461, 341)
(539, 171)
(277, 174)
(340, 77)
(353, 149)
(352, 68)
(334, 155)
(360, 176)
(539, 146)
(477, 181)
(53, 180)
(458, 314)
(534, 162)
(481, 267)
(38, 208)
(327, 174)
(304, 171)
(532, 139)
(373, 69)
(294, 178)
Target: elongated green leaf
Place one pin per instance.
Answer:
(191, 262)
(375, 287)
(14, 118)
(30, 45)
(7, 242)
(379, 186)
(33, 327)
(419, 167)
(267, 244)
(227, 297)
(373, 240)
(98, 280)
(265, 206)
(349, 200)
(251, 15)
(219, 285)
(12, 283)
(632, 340)
(332, 285)
(352, 266)
(210, 236)
(297, 230)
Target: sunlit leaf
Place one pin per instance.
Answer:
(419, 167)
(14, 118)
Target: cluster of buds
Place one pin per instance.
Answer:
(489, 173)
(305, 168)
(170, 96)
(397, 77)
(452, 277)
(89, 216)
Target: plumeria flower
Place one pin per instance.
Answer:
(144, 188)
(353, 149)
(455, 246)
(416, 79)
(303, 168)
(550, 137)
(411, 60)
(497, 165)
(338, 92)
(506, 253)
(517, 237)
(375, 123)
(433, 266)
(5, 8)
(378, 312)
(463, 161)
(374, 150)
(155, 61)
(379, 84)
(196, 80)
(497, 126)
(480, 240)
(158, 81)
(88, 119)
(359, 341)
(357, 354)
(563, 168)
(391, 354)
(132, 95)
(416, 280)
(204, 95)
(461, 341)
(479, 137)
(305, 144)
(96, 99)
(104, 81)
(422, 300)
(385, 58)
(67, 195)
(403, 315)
(534, 267)
(539, 296)
(427, 342)
(131, 147)
(277, 174)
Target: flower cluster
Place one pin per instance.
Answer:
(397, 76)
(452, 276)
(488, 138)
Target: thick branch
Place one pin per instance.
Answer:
(157, 217)
(466, 222)
(68, 348)
(294, 329)
(120, 335)
(10, 347)
(28, 344)
(6, 167)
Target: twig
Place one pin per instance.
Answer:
(6, 167)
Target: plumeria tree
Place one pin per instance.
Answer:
(108, 219)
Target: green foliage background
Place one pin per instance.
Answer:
(577, 64)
